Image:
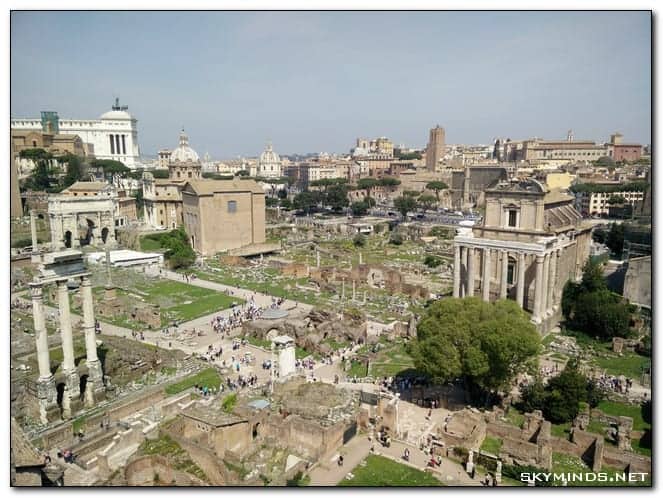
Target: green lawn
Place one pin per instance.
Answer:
(208, 377)
(381, 471)
(617, 409)
(357, 369)
(514, 417)
(563, 463)
(561, 430)
(167, 447)
(176, 300)
(629, 364)
(492, 445)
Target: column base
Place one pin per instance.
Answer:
(47, 395)
(95, 372)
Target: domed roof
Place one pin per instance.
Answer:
(184, 153)
(116, 115)
(269, 156)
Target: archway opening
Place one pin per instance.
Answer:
(104, 234)
(256, 431)
(88, 237)
(60, 393)
(67, 239)
(83, 384)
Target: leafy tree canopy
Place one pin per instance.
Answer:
(404, 204)
(484, 343)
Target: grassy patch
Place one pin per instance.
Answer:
(208, 377)
(629, 364)
(492, 445)
(563, 463)
(561, 430)
(229, 402)
(261, 343)
(514, 417)
(167, 447)
(617, 409)
(78, 424)
(357, 369)
(380, 471)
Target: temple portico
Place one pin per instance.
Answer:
(59, 268)
(531, 243)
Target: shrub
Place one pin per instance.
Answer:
(396, 239)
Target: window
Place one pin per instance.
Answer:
(232, 206)
(513, 217)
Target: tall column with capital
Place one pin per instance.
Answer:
(545, 304)
(456, 271)
(520, 289)
(470, 271)
(504, 274)
(538, 288)
(485, 277)
(72, 381)
(95, 375)
(552, 286)
(46, 391)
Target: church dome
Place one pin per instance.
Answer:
(183, 153)
(269, 156)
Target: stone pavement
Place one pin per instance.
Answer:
(328, 473)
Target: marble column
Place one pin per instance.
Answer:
(33, 230)
(504, 274)
(72, 381)
(95, 375)
(463, 281)
(520, 289)
(545, 304)
(46, 391)
(538, 288)
(354, 290)
(456, 271)
(485, 277)
(552, 287)
(470, 271)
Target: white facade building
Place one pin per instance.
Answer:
(269, 164)
(113, 136)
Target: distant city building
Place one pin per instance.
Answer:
(162, 198)
(596, 203)
(163, 158)
(56, 144)
(435, 148)
(620, 151)
(380, 148)
(269, 163)
(113, 136)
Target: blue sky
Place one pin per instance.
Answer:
(314, 81)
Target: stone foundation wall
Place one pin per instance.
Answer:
(210, 463)
(142, 471)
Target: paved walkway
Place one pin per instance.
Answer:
(328, 472)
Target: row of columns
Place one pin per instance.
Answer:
(545, 296)
(46, 388)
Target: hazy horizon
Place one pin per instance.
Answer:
(315, 81)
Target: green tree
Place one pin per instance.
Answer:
(404, 204)
(286, 203)
(432, 261)
(74, 169)
(396, 239)
(615, 239)
(282, 194)
(359, 208)
(359, 240)
(336, 196)
(242, 172)
(110, 167)
(426, 201)
(307, 201)
(601, 313)
(437, 186)
(42, 174)
(484, 343)
(389, 181)
(367, 184)
(370, 202)
(533, 396)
